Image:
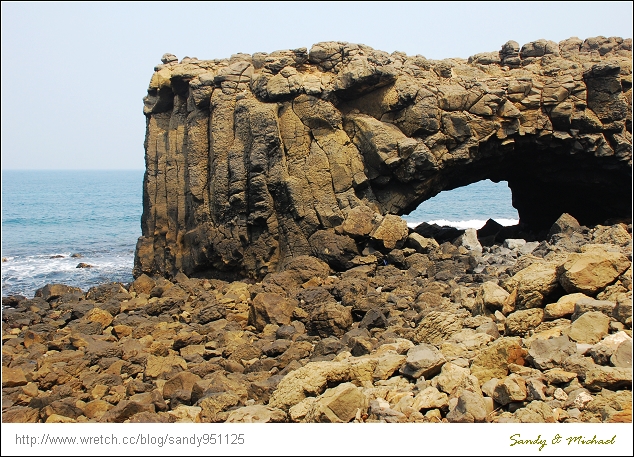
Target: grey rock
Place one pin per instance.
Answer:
(423, 360)
(584, 305)
(551, 353)
(579, 364)
(622, 357)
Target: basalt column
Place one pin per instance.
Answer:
(256, 159)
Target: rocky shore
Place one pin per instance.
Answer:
(434, 326)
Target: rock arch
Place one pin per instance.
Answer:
(256, 159)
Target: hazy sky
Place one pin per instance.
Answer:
(74, 74)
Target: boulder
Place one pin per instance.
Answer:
(535, 412)
(13, 377)
(420, 243)
(559, 376)
(622, 357)
(453, 379)
(159, 367)
(214, 406)
(605, 349)
(96, 409)
(143, 285)
(391, 232)
(623, 309)
(469, 240)
(493, 361)
(423, 360)
(471, 407)
(613, 234)
(52, 291)
(339, 405)
(180, 386)
(313, 378)
(184, 413)
(520, 322)
(104, 318)
(590, 327)
(586, 304)
(613, 378)
(268, 308)
(552, 352)
(564, 307)
(330, 319)
(437, 326)
(565, 224)
(336, 250)
(533, 284)
(589, 272)
(512, 388)
(359, 222)
(430, 398)
(493, 296)
(125, 409)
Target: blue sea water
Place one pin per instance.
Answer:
(467, 207)
(49, 215)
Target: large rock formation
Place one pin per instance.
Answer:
(258, 158)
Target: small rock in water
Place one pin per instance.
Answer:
(56, 256)
(83, 265)
(76, 255)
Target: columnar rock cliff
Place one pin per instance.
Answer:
(256, 159)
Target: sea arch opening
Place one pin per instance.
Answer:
(469, 206)
(544, 181)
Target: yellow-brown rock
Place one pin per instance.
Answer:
(591, 271)
(249, 158)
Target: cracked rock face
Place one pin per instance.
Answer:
(250, 160)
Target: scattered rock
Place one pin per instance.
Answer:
(551, 353)
(564, 307)
(512, 388)
(471, 407)
(493, 361)
(533, 284)
(622, 357)
(376, 343)
(520, 322)
(340, 404)
(589, 272)
(256, 414)
(590, 327)
(423, 360)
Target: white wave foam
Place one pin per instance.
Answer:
(24, 274)
(462, 225)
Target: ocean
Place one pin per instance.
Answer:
(53, 220)
(47, 216)
(467, 207)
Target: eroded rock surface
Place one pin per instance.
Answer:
(256, 159)
(417, 340)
